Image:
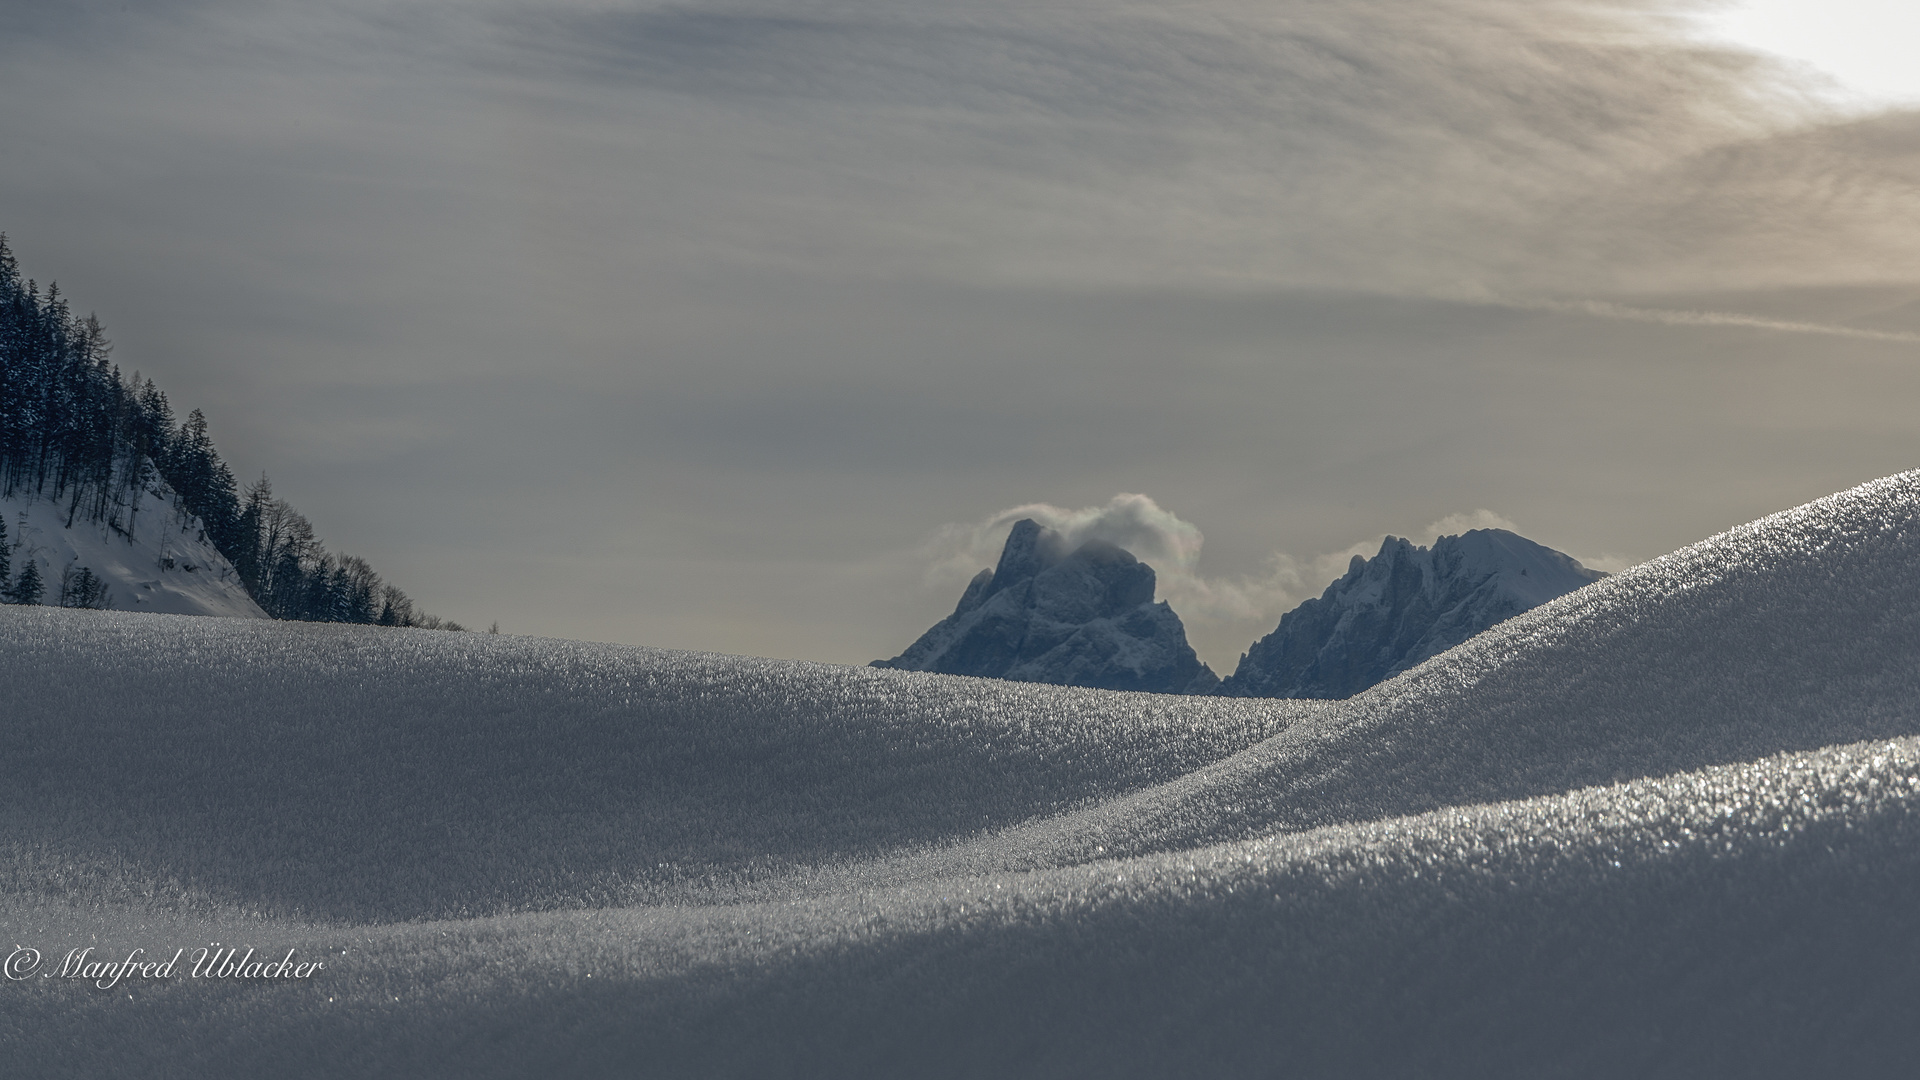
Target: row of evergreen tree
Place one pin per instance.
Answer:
(73, 430)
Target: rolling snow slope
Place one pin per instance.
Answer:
(1665, 826)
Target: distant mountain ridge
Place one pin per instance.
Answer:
(1084, 617)
(1404, 606)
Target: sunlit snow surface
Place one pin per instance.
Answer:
(1663, 826)
(154, 557)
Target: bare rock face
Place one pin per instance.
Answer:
(1080, 618)
(1403, 606)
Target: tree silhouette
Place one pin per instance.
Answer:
(29, 588)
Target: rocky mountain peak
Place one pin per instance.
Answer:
(1405, 605)
(1080, 617)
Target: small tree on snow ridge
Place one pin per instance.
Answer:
(29, 589)
(82, 588)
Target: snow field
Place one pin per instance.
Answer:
(1759, 914)
(336, 772)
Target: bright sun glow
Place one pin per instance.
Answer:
(1869, 46)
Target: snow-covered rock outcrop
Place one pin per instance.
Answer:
(152, 555)
(1080, 618)
(1403, 606)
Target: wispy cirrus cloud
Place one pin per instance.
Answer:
(1603, 309)
(736, 290)
(1378, 144)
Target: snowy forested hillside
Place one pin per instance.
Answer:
(158, 558)
(109, 503)
(1663, 826)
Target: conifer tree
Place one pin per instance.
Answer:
(29, 589)
(80, 587)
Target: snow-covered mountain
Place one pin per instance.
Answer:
(1405, 605)
(152, 555)
(1071, 618)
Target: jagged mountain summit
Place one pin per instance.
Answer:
(1084, 617)
(1403, 606)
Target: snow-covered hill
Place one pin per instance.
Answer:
(1668, 825)
(1405, 605)
(159, 559)
(1084, 617)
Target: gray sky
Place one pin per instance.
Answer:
(744, 326)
